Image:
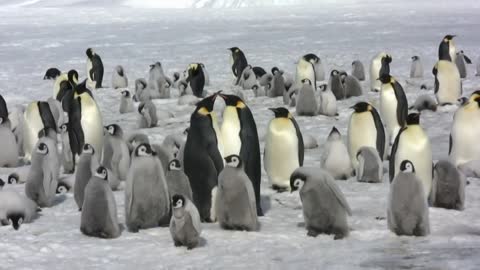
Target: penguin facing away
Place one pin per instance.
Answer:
(335, 159)
(424, 102)
(379, 66)
(328, 102)
(416, 69)
(393, 105)
(99, 210)
(358, 71)
(448, 186)
(407, 212)
(148, 115)
(325, 208)
(86, 165)
(94, 69)
(370, 167)
(119, 78)
(196, 79)
(185, 225)
(177, 180)
(238, 62)
(306, 103)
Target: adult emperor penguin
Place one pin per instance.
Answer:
(202, 159)
(407, 212)
(87, 163)
(43, 176)
(52, 74)
(238, 61)
(38, 121)
(358, 71)
(412, 143)
(416, 69)
(448, 186)
(335, 84)
(448, 85)
(328, 102)
(16, 209)
(158, 83)
(196, 79)
(370, 167)
(177, 180)
(119, 160)
(126, 102)
(325, 208)
(185, 225)
(284, 149)
(9, 153)
(306, 69)
(240, 137)
(464, 132)
(94, 70)
(235, 201)
(119, 78)
(335, 158)
(64, 84)
(147, 203)
(461, 61)
(99, 211)
(205, 74)
(393, 106)
(379, 66)
(365, 129)
(306, 102)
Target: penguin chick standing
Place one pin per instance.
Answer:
(335, 159)
(9, 153)
(238, 61)
(119, 78)
(126, 103)
(448, 186)
(325, 208)
(158, 83)
(235, 203)
(284, 149)
(370, 167)
(379, 66)
(407, 212)
(416, 70)
(335, 85)
(358, 71)
(119, 160)
(94, 70)
(85, 168)
(328, 102)
(277, 85)
(196, 79)
(306, 102)
(99, 211)
(142, 93)
(185, 225)
(448, 85)
(148, 115)
(177, 180)
(147, 203)
(393, 106)
(42, 178)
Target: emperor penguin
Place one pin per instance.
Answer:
(412, 143)
(259, 73)
(306, 69)
(147, 202)
(9, 153)
(407, 212)
(126, 102)
(351, 85)
(52, 74)
(185, 225)
(43, 176)
(142, 93)
(205, 74)
(335, 159)
(328, 102)
(370, 167)
(284, 149)
(64, 83)
(448, 85)
(87, 163)
(196, 79)
(393, 105)
(158, 83)
(147, 115)
(277, 84)
(416, 69)
(177, 180)
(119, 78)
(202, 158)
(119, 160)
(248, 78)
(365, 128)
(379, 66)
(335, 85)
(99, 211)
(58, 77)
(16, 119)
(306, 102)
(464, 132)
(66, 153)
(424, 102)
(235, 203)
(358, 71)
(38, 121)
(448, 186)
(461, 61)
(240, 137)
(94, 70)
(238, 61)
(325, 208)
(16, 209)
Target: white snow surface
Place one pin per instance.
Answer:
(36, 36)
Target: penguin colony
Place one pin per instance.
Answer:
(212, 172)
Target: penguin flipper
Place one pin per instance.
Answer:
(467, 60)
(402, 104)
(301, 146)
(391, 169)
(380, 133)
(215, 156)
(339, 195)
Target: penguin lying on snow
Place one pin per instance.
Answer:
(16, 209)
(185, 225)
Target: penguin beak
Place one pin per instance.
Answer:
(273, 109)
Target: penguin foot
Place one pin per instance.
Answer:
(177, 243)
(338, 236)
(312, 233)
(259, 212)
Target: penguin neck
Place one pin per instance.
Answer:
(444, 52)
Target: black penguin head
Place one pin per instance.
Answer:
(312, 58)
(156, 64)
(73, 77)
(234, 50)
(88, 148)
(205, 106)
(407, 166)
(307, 81)
(140, 84)
(413, 119)
(90, 52)
(233, 100)
(234, 161)
(334, 73)
(415, 58)
(13, 178)
(42, 148)
(176, 76)
(334, 134)
(52, 74)
(477, 100)
(174, 165)
(2, 183)
(296, 181)
(444, 48)
(255, 87)
(144, 150)
(114, 130)
(16, 219)
(126, 93)
(361, 107)
(178, 201)
(322, 87)
(448, 38)
(102, 173)
(281, 112)
(119, 70)
(386, 78)
(462, 101)
(387, 59)
(275, 69)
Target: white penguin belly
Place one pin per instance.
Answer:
(338, 161)
(32, 125)
(231, 132)
(374, 72)
(414, 145)
(388, 109)
(449, 89)
(9, 153)
(305, 71)
(465, 134)
(92, 123)
(218, 134)
(282, 152)
(329, 103)
(361, 132)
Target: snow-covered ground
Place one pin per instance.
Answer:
(41, 34)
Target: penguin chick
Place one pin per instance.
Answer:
(142, 93)
(328, 102)
(158, 83)
(126, 103)
(358, 71)
(416, 70)
(407, 205)
(177, 180)
(424, 102)
(16, 209)
(325, 208)
(148, 115)
(370, 168)
(235, 202)
(185, 225)
(335, 85)
(335, 158)
(119, 78)
(119, 159)
(306, 103)
(9, 153)
(351, 85)
(85, 168)
(448, 186)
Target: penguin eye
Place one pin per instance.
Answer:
(142, 151)
(179, 204)
(297, 183)
(42, 149)
(64, 128)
